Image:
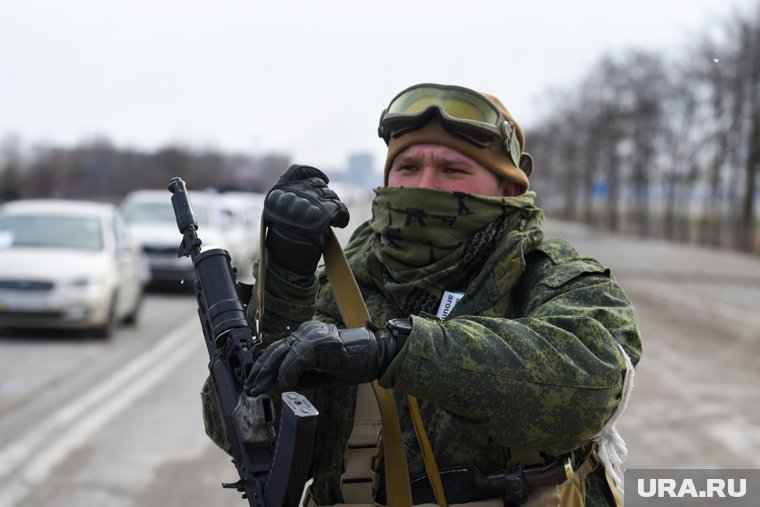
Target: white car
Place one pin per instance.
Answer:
(150, 218)
(68, 264)
(246, 208)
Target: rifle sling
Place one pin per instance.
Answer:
(260, 278)
(355, 314)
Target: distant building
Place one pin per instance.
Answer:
(258, 173)
(361, 170)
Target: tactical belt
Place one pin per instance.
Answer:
(513, 485)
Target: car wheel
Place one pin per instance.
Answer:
(131, 317)
(107, 329)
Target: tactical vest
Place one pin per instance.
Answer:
(359, 482)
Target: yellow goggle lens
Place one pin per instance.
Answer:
(456, 103)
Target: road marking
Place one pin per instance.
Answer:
(33, 457)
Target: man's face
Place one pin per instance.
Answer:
(443, 168)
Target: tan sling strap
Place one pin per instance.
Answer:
(355, 314)
(431, 466)
(359, 481)
(260, 277)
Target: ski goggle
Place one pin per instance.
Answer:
(461, 111)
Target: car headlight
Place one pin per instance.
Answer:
(88, 281)
(82, 281)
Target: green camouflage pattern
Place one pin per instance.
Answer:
(527, 359)
(427, 241)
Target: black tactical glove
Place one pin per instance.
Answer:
(319, 354)
(299, 210)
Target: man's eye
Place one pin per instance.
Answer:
(453, 170)
(407, 168)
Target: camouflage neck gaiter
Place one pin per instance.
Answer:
(429, 240)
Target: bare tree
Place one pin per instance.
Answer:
(647, 84)
(607, 114)
(684, 137)
(10, 166)
(638, 127)
(555, 148)
(750, 36)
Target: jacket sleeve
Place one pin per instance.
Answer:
(287, 306)
(547, 380)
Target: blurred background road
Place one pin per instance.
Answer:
(117, 423)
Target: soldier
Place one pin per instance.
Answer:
(516, 347)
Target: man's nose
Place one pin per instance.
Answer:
(428, 178)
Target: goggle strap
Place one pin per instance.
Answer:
(511, 142)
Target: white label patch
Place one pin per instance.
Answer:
(448, 302)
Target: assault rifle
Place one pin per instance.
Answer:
(272, 468)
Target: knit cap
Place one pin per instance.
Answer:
(493, 157)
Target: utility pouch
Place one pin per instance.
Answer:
(571, 493)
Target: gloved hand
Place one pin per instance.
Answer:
(319, 354)
(299, 210)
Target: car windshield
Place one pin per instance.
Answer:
(51, 231)
(161, 212)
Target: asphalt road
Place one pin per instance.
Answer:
(117, 423)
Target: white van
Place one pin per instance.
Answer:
(150, 218)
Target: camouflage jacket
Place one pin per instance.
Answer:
(532, 364)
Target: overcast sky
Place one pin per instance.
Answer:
(308, 78)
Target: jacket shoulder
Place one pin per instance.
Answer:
(555, 263)
(557, 250)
